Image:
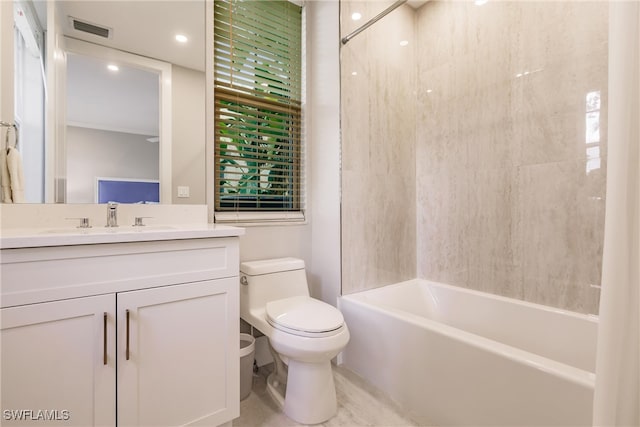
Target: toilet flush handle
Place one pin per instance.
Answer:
(243, 280)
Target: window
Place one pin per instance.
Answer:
(29, 98)
(592, 134)
(258, 117)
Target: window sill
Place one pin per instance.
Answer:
(259, 219)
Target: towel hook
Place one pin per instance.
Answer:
(10, 126)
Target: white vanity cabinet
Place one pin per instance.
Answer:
(134, 333)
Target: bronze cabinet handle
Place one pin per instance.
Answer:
(127, 348)
(104, 339)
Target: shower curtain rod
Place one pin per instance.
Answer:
(373, 20)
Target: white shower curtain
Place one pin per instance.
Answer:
(617, 395)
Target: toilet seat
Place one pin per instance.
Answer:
(304, 316)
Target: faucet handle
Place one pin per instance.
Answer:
(84, 222)
(138, 221)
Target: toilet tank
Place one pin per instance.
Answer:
(271, 279)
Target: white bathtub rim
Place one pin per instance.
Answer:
(570, 373)
(592, 318)
(443, 306)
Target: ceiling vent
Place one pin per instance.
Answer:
(87, 27)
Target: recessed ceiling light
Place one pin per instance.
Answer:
(113, 67)
(356, 16)
(429, 90)
(480, 2)
(354, 73)
(404, 42)
(181, 38)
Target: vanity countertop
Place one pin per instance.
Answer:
(38, 237)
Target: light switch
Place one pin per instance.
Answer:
(183, 191)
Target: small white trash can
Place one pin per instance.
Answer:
(247, 351)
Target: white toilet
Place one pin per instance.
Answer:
(304, 332)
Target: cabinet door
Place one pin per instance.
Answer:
(58, 363)
(178, 353)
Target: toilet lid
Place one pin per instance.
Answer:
(304, 314)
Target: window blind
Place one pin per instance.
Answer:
(258, 93)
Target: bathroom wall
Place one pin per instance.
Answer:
(511, 148)
(187, 151)
(378, 78)
(497, 145)
(95, 153)
(318, 240)
(188, 134)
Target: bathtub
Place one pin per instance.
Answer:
(453, 356)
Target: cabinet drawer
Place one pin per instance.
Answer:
(33, 275)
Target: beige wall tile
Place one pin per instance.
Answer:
(505, 203)
(505, 200)
(378, 144)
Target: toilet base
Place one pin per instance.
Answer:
(310, 396)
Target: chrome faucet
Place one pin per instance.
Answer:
(112, 214)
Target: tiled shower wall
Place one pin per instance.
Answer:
(511, 148)
(378, 83)
(495, 117)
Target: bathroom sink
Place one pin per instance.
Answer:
(91, 230)
(142, 228)
(107, 230)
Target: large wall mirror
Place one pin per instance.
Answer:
(126, 107)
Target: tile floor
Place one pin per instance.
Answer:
(359, 404)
